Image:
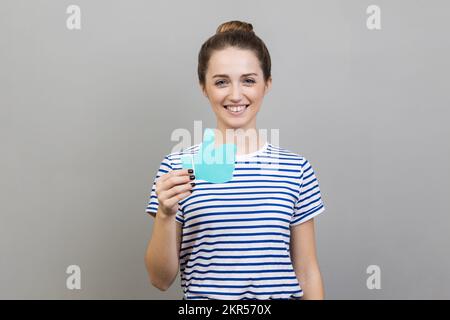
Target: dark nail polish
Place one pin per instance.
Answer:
(192, 177)
(193, 184)
(190, 170)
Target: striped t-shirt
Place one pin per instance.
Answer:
(236, 235)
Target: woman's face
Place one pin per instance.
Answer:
(235, 87)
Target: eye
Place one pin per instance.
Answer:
(220, 83)
(249, 80)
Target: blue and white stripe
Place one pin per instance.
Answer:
(236, 235)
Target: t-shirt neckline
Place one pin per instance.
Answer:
(252, 154)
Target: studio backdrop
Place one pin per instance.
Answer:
(91, 92)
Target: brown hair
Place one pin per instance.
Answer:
(236, 34)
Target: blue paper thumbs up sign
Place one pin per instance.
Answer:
(215, 165)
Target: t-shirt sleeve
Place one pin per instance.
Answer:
(152, 207)
(309, 202)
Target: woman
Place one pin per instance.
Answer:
(253, 236)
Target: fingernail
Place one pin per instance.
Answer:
(193, 184)
(190, 171)
(192, 177)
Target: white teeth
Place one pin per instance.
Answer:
(236, 108)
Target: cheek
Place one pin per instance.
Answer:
(257, 93)
(256, 98)
(217, 97)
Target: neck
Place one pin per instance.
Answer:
(247, 140)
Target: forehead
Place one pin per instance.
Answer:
(233, 61)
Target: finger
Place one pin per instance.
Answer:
(178, 189)
(177, 198)
(177, 180)
(162, 195)
(165, 176)
(175, 173)
(181, 172)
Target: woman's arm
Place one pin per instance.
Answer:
(163, 251)
(304, 260)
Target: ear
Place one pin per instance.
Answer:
(203, 89)
(268, 85)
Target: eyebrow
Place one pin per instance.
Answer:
(226, 76)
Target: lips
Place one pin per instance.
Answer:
(236, 109)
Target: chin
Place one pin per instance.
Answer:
(236, 124)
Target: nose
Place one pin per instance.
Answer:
(236, 93)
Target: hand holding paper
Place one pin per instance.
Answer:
(215, 165)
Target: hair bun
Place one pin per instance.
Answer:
(235, 25)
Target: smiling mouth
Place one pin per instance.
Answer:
(236, 110)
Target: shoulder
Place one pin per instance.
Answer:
(175, 156)
(287, 156)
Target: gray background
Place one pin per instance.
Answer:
(86, 117)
